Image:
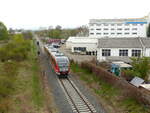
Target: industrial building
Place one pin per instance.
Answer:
(116, 49)
(114, 39)
(110, 49)
(82, 44)
(134, 27)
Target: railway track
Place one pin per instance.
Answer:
(76, 99)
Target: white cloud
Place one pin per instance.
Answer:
(68, 13)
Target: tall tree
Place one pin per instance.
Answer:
(3, 32)
(148, 31)
(58, 27)
(141, 67)
(27, 35)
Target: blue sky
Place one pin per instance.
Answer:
(31, 14)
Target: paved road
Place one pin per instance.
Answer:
(59, 96)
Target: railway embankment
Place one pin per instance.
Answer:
(20, 78)
(115, 94)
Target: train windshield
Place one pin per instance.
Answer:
(63, 63)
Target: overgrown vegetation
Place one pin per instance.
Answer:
(37, 94)
(3, 32)
(8, 76)
(17, 49)
(148, 30)
(20, 86)
(112, 95)
(140, 68)
(59, 32)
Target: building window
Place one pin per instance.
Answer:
(91, 33)
(141, 24)
(126, 33)
(105, 33)
(75, 48)
(112, 29)
(98, 33)
(134, 33)
(119, 24)
(134, 24)
(126, 29)
(105, 24)
(123, 52)
(98, 29)
(105, 28)
(127, 24)
(136, 53)
(112, 24)
(98, 24)
(112, 33)
(106, 52)
(134, 28)
(80, 49)
(91, 24)
(92, 29)
(119, 33)
(119, 29)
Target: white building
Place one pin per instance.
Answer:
(82, 44)
(111, 49)
(135, 27)
(70, 40)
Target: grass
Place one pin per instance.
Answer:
(86, 75)
(37, 94)
(109, 93)
(106, 90)
(134, 107)
(28, 96)
(23, 84)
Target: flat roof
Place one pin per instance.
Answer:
(121, 64)
(118, 20)
(82, 40)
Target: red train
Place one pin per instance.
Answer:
(60, 63)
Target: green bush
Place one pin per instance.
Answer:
(17, 49)
(141, 67)
(7, 84)
(3, 32)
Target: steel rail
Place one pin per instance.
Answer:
(69, 95)
(80, 95)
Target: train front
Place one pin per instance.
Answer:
(64, 65)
